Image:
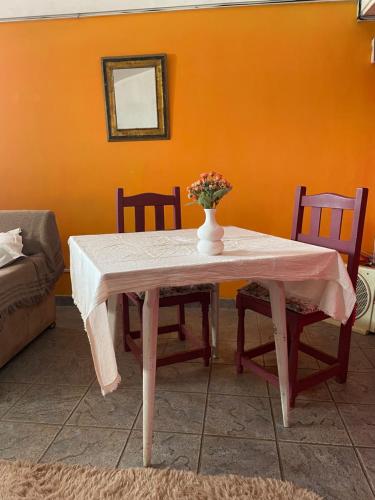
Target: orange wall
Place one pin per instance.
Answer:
(271, 96)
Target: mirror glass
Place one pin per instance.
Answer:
(135, 98)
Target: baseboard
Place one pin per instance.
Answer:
(64, 300)
(227, 303)
(67, 301)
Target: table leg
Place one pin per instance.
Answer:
(214, 320)
(149, 339)
(277, 297)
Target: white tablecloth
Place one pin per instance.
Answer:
(103, 265)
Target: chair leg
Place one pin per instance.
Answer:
(181, 321)
(125, 320)
(294, 336)
(240, 338)
(289, 340)
(344, 350)
(206, 333)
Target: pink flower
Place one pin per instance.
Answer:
(207, 186)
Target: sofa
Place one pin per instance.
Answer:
(27, 302)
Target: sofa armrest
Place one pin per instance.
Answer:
(39, 234)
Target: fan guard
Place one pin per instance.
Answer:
(363, 297)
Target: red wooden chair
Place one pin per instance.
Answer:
(256, 298)
(172, 296)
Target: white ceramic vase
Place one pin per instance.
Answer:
(210, 234)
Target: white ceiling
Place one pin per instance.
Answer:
(33, 8)
(20, 9)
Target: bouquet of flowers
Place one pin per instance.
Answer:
(208, 189)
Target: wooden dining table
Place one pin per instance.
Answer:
(105, 266)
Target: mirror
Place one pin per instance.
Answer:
(136, 97)
(366, 10)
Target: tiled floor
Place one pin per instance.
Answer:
(207, 419)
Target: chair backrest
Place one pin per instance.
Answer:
(337, 204)
(140, 201)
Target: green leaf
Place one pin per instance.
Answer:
(204, 200)
(219, 194)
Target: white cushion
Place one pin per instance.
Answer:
(10, 246)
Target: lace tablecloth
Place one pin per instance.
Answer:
(103, 265)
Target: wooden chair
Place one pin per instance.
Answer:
(173, 296)
(256, 298)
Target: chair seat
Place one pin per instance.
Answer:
(172, 291)
(294, 304)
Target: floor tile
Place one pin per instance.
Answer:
(267, 334)
(358, 362)
(225, 380)
(76, 330)
(177, 451)
(364, 341)
(360, 422)
(193, 323)
(252, 339)
(25, 441)
(264, 322)
(305, 336)
(10, 394)
(69, 318)
(359, 388)
(130, 371)
(87, 446)
(161, 348)
(25, 367)
(117, 409)
(226, 352)
(68, 370)
(311, 422)
(304, 361)
(60, 345)
(177, 412)
(239, 416)
(323, 333)
(185, 377)
(331, 471)
(119, 348)
(266, 329)
(169, 315)
(228, 325)
(237, 406)
(46, 404)
(370, 354)
(174, 346)
(248, 457)
(319, 392)
(367, 457)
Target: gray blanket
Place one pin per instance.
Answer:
(28, 280)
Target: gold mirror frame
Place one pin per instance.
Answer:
(157, 61)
